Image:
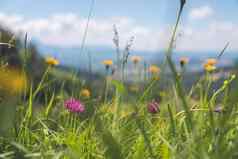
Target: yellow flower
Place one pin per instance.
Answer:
(211, 61)
(154, 69)
(52, 61)
(85, 93)
(183, 61)
(209, 67)
(107, 63)
(135, 59)
(12, 81)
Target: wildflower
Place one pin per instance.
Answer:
(74, 105)
(218, 109)
(183, 61)
(107, 63)
(211, 61)
(153, 107)
(209, 67)
(12, 81)
(85, 93)
(154, 69)
(18, 84)
(52, 61)
(135, 59)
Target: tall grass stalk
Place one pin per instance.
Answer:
(106, 85)
(87, 26)
(174, 71)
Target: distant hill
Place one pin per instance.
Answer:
(72, 56)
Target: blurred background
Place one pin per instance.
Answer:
(79, 31)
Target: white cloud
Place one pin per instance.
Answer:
(213, 37)
(201, 13)
(66, 30)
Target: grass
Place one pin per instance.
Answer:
(117, 123)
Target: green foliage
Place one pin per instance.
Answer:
(197, 124)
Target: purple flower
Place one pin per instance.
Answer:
(153, 107)
(74, 105)
(219, 109)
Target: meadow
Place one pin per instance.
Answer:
(62, 115)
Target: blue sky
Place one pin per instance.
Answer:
(150, 19)
(142, 10)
